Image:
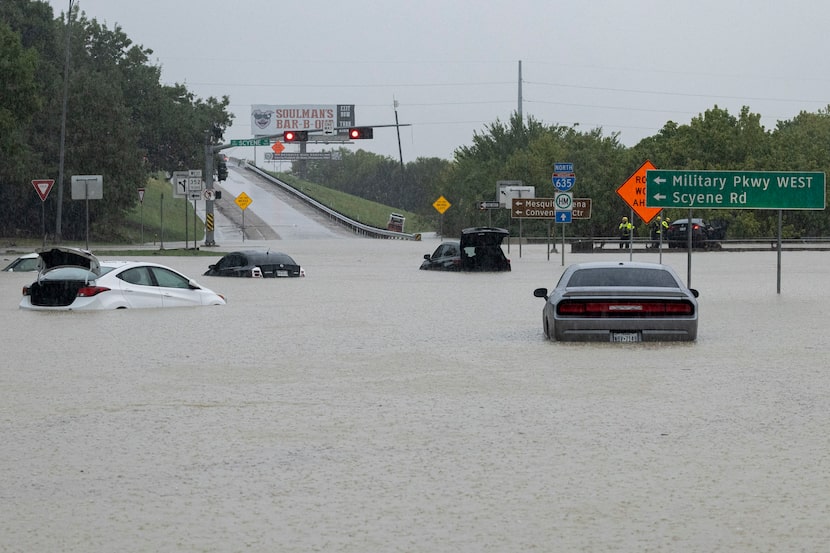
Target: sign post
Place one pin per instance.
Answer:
(736, 190)
(441, 205)
(87, 187)
(141, 201)
(243, 201)
(43, 187)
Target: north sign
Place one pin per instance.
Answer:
(735, 189)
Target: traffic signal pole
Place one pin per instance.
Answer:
(207, 176)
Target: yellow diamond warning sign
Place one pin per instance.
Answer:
(441, 205)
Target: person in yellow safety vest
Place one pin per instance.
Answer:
(626, 229)
(659, 227)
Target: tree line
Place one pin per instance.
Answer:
(525, 149)
(124, 124)
(121, 122)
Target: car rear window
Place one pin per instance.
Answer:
(69, 273)
(622, 276)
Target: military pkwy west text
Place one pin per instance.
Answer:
(735, 189)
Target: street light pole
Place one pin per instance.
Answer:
(58, 236)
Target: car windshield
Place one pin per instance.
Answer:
(622, 276)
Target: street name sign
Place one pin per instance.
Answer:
(633, 192)
(251, 142)
(735, 189)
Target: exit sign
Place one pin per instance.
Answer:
(735, 189)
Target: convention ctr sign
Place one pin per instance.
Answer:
(735, 189)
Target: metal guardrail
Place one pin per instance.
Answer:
(339, 218)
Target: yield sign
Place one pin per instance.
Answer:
(43, 187)
(633, 191)
(277, 147)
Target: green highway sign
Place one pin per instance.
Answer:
(252, 142)
(735, 189)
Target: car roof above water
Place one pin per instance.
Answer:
(265, 257)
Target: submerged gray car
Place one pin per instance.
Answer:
(619, 302)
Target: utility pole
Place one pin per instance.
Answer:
(67, 30)
(400, 151)
(519, 109)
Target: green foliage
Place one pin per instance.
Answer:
(121, 122)
(165, 218)
(359, 209)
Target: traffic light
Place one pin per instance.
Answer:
(359, 133)
(222, 169)
(295, 136)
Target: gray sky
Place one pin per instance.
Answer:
(628, 66)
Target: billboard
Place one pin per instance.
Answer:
(268, 119)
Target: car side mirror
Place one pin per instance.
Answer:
(427, 256)
(694, 292)
(541, 293)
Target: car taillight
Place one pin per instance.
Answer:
(625, 308)
(89, 291)
(25, 290)
(695, 227)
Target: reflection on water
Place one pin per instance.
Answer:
(375, 407)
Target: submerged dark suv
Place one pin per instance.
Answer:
(481, 249)
(478, 250)
(704, 235)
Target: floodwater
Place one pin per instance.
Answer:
(374, 407)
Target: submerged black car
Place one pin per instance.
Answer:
(446, 257)
(704, 235)
(256, 263)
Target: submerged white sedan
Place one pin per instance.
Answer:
(71, 279)
(619, 302)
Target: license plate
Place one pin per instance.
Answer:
(282, 273)
(626, 337)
